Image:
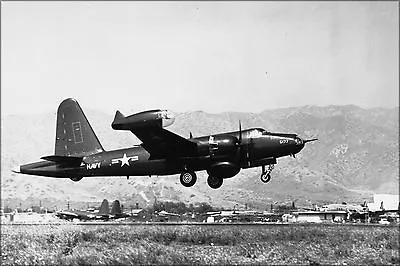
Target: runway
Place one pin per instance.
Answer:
(208, 224)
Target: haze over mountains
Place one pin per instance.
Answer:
(357, 155)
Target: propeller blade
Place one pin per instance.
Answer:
(240, 133)
(309, 140)
(190, 135)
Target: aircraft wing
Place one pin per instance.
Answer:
(161, 143)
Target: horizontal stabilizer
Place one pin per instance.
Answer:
(118, 118)
(63, 159)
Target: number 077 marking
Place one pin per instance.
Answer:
(283, 141)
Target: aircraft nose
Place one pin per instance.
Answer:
(16, 169)
(299, 144)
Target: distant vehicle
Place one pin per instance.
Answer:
(384, 221)
(78, 152)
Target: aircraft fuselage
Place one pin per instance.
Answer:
(257, 144)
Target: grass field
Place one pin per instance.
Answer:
(197, 244)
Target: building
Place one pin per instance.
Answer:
(384, 202)
(28, 218)
(320, 216)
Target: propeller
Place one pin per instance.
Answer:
(309, 140)
(239, 143)
(240, 133)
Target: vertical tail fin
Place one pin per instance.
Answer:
(74, 135)
(104, 208)
(116, 208)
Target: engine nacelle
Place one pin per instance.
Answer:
(218, 147)
(153, 118)
(223, 169)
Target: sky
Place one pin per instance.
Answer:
(189, 56)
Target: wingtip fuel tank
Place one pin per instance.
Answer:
(153, 118)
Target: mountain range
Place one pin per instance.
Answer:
(356, 156)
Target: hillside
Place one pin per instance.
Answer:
(357, 155)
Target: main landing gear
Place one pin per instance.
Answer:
(214, 182)
(266, 174)
(188, 179)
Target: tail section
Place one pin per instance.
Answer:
(116, 208)
(74, 135)
(104, 208)
(118, 118)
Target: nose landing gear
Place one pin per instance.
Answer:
(266, 174)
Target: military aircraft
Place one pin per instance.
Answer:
(102, 214)
(343, 207)
(164, 216)
(78, 152)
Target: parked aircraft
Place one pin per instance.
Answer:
(102, 214)
(78, 152)
(165, 216)
(165, 213)
(344, 207)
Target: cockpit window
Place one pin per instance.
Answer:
(255, 133)
(165, 114)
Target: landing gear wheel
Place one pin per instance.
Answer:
(188, 179)
(266, 174)
(76, 178)
(265, 178)
(214, 182)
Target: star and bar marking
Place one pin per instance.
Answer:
(124, 160)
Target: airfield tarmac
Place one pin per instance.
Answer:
(199, 243)
(112, 223)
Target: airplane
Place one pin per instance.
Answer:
(78, 152)
(343, 207)
(103, 213)
(164, 216)
(86, 215)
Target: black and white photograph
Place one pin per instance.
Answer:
(200, 133)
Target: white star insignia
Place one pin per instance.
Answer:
(125, 160)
